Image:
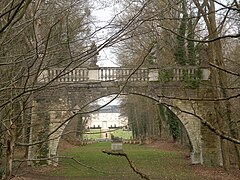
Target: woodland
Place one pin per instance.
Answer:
(36, 35)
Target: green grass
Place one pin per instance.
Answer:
(95, 134)
(155, 163)
(122, 134)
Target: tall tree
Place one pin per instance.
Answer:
(180, 53)
(34, 35)
(219, 78)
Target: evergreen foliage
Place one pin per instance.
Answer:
(185, 53)
(180, 53)
(190, 44)
(165, 75)
(172, 120)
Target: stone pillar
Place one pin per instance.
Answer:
(39, 129)
(93, 74)
(153, 75)
(193, 128)
(211, 144)
(56, 126)
(47, 124)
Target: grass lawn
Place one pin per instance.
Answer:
(93, 164)
(95, 134)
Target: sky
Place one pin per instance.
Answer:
(102, 16)
(106, 58)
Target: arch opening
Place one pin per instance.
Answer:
(195, 147)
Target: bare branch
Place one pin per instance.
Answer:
(142, 175)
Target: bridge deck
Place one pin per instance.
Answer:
(123, 74)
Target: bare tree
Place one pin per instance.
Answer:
(41, 34)
(199, 30)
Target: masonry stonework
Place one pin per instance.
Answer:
(53, 108)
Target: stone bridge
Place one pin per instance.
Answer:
(62, 90)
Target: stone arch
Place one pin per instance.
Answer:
(191, 123)
(183, 125)
(193, 128)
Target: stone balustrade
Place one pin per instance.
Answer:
(121, 74)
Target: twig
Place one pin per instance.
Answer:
(129, 162)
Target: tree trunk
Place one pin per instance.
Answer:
(219, 79)
(222, 78)
(10, 151)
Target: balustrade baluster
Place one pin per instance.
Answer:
(143, 75)
(109, 74)
(58, 71)
(68, 76)
(120, 74)
(181, 77)
(77, 75)
(125, 74)
(84, 75)
(55, 75)
(177, 74)
(83, 72)
(74, 75)
(106, 75)
(87, 74)
(80, 72)
(61, 74)
(140, 75)
(65, 76)
(112, 74)
(135, 76)
(146, 74)
(50, 75)
(47, 75)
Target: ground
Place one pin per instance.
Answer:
(207, 173)
(215, 173)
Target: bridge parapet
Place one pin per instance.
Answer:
(122, 74)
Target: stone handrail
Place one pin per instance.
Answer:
(120, 74)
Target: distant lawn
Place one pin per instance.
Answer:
(97, 165)
(95, 134)
(122, 134)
